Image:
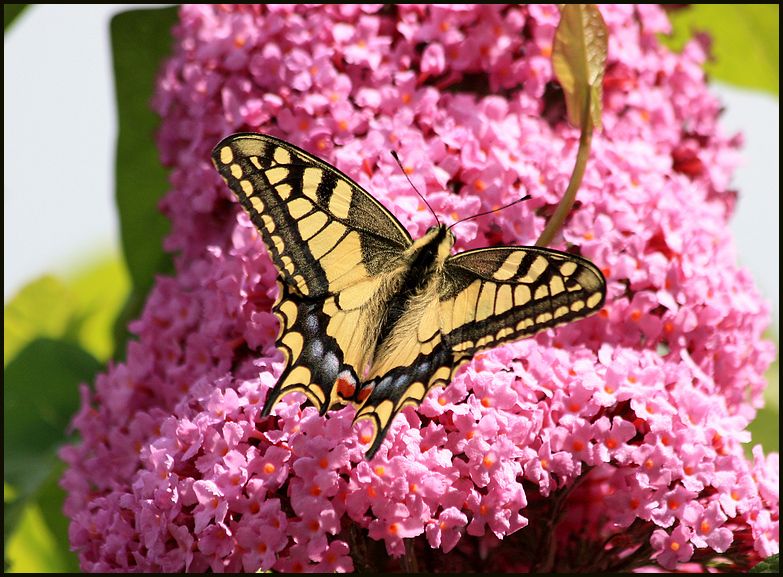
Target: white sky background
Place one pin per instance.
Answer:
(59, 143)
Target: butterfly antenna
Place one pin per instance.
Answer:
(505, 206)
(402, 168)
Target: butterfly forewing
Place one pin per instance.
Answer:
(493, 295)
(323, 231)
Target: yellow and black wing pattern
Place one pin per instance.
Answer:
(370, 317)
(485, 297)
(493, 295)
(332, 244)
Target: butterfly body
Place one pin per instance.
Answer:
(404, 307)
(370, 317)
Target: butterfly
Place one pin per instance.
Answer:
(369, 316)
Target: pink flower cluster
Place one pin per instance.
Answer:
(609, 444)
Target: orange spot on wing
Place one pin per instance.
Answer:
(345, 387)
(364, 392)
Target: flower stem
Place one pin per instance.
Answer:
(358, 550)
(409, 562)
(567, 202)
(547, 545)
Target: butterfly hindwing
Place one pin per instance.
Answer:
(404, 385)
(493, 295)
(315, 362)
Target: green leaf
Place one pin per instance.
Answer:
(50, 501)
(745, 41)
(31, 548)
(79, 310)
(765, 428)
(579, 60)
(101, 290)
(140, 41)
(39, 542)
(40, 396)
(10, 13)
(768, 565)
(43, 308)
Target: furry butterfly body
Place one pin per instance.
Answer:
(369, 316)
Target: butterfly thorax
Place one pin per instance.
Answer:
(407, 302)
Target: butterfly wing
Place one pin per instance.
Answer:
(494, 295)
(486, 297)
(323, 231)
(335, 247)
(405, 385)
(338, 252)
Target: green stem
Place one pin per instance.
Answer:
(583, 153)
